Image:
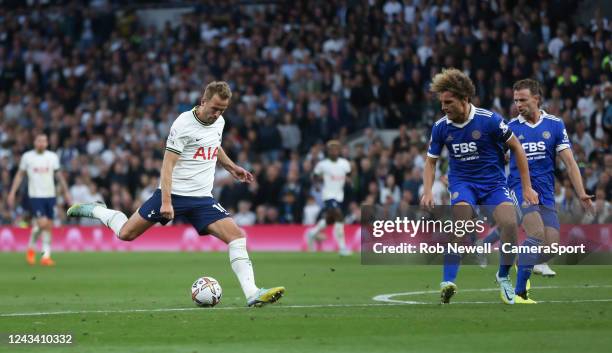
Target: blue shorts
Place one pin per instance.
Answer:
(42, 207)
(199, 211)
(546, 208)
(331, 204)
(478, 194)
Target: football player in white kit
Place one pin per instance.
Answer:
(333, 171)
(188, 170)
(41, 167)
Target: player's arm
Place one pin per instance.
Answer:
(529, 194)
(429, 173)
(14, 187)
(574, 174)
(429, 170)
(62, 181)
(168, 164)
(235, 170)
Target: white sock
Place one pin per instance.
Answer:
(110, 218)
(317, 228)
(320, 225)
(339, 235)
(313, 232)
(46, 243)
(242, 267)
(34, 236)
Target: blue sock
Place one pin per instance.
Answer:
(525, 265)
(493, 237)
(451, 267)
(506, 260)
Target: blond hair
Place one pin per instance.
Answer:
(455, 82)
(220, 88)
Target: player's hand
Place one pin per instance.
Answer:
(587, 203)
(166, 211)
(242, 174)
(11, 201)
(530, 196)
(427, 200)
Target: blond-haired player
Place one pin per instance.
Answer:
(41, 167)
(332, 170)
(193, 148)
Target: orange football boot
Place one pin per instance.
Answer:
(47, 261)
(31, 256)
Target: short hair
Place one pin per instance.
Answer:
(333, 143)
(454, 81)
(220, 88)
(533, 86)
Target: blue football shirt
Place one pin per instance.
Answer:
(541, 142)
(476, 147)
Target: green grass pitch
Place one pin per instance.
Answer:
(140, 302)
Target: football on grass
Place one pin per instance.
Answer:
(206, 292)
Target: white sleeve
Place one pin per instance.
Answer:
(55, 159)
(348, 166)
(176, 139)
(23, 163)
(318, 170)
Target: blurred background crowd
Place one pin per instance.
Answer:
(105, 84)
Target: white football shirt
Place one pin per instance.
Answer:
(197, 145)
(334, 177)
(40, 168)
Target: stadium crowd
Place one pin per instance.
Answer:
(105, 88)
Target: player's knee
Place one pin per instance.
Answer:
(509, 224)
(537, 233)
(234, 236)
(127, 234)
(44, 223)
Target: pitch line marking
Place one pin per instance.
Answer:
(384, 299)
(387, 298)
(161, 310)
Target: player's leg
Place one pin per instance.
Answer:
(36, 211)
(34, 235)
(463, 199)
(46, 226)
(224, 228)
(505, 217)
(551, 235)
(124, 228)
(315, 233)
(338, 219)
(534, 228)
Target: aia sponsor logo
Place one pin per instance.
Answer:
(206, 153)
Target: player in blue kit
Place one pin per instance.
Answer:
(542, 137)
(474, 138)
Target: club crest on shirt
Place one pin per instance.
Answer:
(476, 134)
(546, 134)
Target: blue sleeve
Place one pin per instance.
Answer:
(499, 129)
(562, 141)
(435, 142)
